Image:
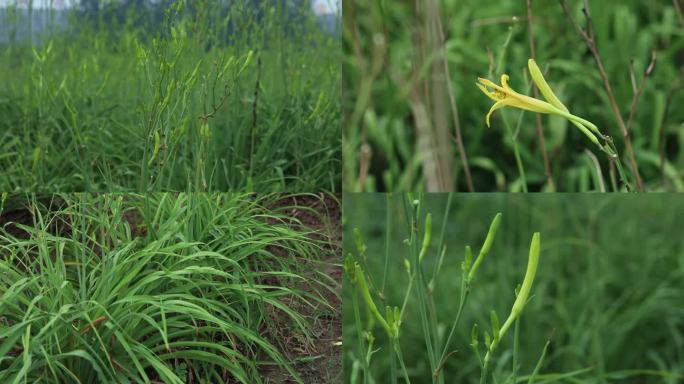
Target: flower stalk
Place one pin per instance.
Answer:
(516, 310)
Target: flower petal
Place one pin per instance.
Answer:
(487, 92)
(530, 103)
(524, 101)
(497, 105)
(504, 82)
(490, 84)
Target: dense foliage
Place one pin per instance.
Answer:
(410, 95)
(607, 294)
(171, 288)
(201, 95)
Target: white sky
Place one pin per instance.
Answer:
(320, 6)
(59, 4)
(326, 6)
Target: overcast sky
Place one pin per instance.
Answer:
(319, 6)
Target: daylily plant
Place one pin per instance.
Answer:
(504, 96)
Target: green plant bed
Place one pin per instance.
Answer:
(159, 288)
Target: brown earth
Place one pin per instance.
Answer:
(320, 361)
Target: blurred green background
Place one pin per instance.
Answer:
(608, 290)
(394, 77)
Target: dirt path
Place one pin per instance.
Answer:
(321, 361)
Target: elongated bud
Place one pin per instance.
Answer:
(543, 86)
(205, 133)
(487, 244)
(467, 262)
(531, 272)
(393, 320)
(350, 268)
(426, 237)
(495, 325)
(526, 287)
(365, 293)
(157, 145)
(397, 316)
(358, 241)
(248, 60)
(474, 336)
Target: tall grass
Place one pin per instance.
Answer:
(414, 120)
(206, 96)
(157, 288)
(604, 306)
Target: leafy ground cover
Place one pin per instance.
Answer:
(603, 307)
(173, 96)
(414, 118)
(169, 288)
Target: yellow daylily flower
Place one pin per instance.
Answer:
(503, 96)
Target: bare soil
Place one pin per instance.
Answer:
(320, 361)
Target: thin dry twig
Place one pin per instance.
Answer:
(678, 86)
(640, 90)
(540, 132)
(425, 100)
(216, 106)
(364, 165)
(680, 14)
(589, 38)
(632, 76)
(437, 87)
(425, 144)
(454, 111)
(369, 70)
(495, 20)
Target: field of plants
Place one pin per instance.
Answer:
(170, 288)
(578, 95)
(495, 288)
(206, 95)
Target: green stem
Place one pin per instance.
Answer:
(516, 347)
(397, 349)
(465, 289)
(413, 215)
(485, 368)
(516, 150)
(359, 335)
(388, 223)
